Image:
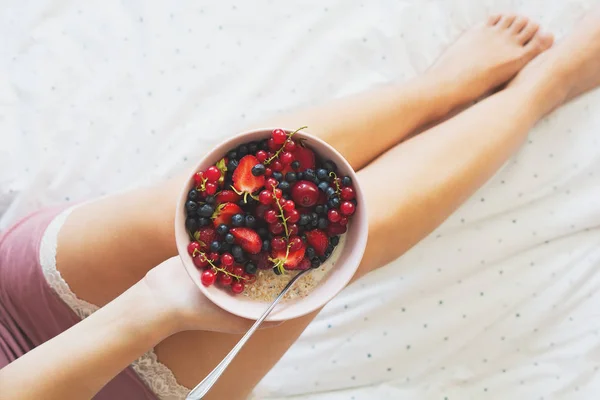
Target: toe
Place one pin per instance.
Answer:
(506, 21)
(528, 33)
(518, 25)
(540, 42)
(493, 19)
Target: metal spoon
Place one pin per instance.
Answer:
(203, 387)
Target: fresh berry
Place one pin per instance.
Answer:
(258, 170)
(292, 259)
(213, 257)
(330, 166)
(318, 240)
(226, 259)
(249, 221)
(229, 239)
(346, 181)
(277, 166)
(211, 188)
(304, 264)
(208, 277)
(293, 216)
(199, 178)
(250, 268)
(224, 213)
(289, 145)
(278, 243)
(271, 216)
(238, 271)
(286, 158)
(200, 261)
(249, 278)
(237, 287)
(243, 179)
(224, 279)
(271, 145)
(347, 193)
(333, 215)
(237, 220)
(260, 210)
(336, 229)
(222, 229)
(288, 205)
(279, 136)
(227, 196)
(248, 239)
(212, 174)
(265, 197)
(206, 210)
(295, 165)
(271, 183)
(305, 157)
(347, 208)
(292, 229)
(305, 193)
(277, 193)
(261, 260)
(191, 224)
(295, 243)
(205, 237)
(193, 248)
(261, 156)
(343, 221)
(276, 228)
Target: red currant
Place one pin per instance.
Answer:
(193, 247)
(200, 261)
(347, 193)
(237, 287)
(260, 210)
(249, 278)
(278, 243)
(265, 197)
(290, 145)
(289, 205)
(208, 277)
(271, 183)
(211, 188)
(226, 259)
(213, 174)
(276, 228)
(333, 215)
(239, 271)
(304, 264)
(286, 158)
(293, 229)
(293, 216)
(295, 243)
(261, 155)
(347, 208)
(198, 178)
(213, 257)
(343, 221)
(271, 216)
(224, 279)
(277, 193)
(279, 136)
(272, 145)
(277, 166)
(268, 172)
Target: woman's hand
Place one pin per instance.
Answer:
(188, 308)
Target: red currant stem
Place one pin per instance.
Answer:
(196, 251)
(246, 194)
(283, 218)
(289, 136)
(222, 269)
(202, 186)
(335, 180)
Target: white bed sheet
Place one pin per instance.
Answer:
(500, 302)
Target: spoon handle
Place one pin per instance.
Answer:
(203, 387)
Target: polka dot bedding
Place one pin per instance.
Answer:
(499, 302)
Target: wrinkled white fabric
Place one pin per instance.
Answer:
(157, 376)
(500, 302)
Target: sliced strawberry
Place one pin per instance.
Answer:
(224, 212)
(305, 156)
(227, 196)
(248, 239)
(318, 240)
(243, 180)
(205, 236)
(336, 229)
(293, 257)
(262, 260)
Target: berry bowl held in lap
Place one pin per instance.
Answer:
(262, 206)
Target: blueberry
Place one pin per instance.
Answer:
(290, 177)
(334, 241)
(320, 209)
(278, 176)
(295, 165)
(222, 229)
(330, 166)
(323, 258)
(284, 186)
(250, 268)
(225, 248)
(242, 150)
(304, 219)
(314, 223)
(323, 223)
(263, 232)
(315, 263)
(206, 211)
(300, 176)
(329, 249)
(215, 246)
(258, 170)
(202, 221)
(191, 206)
(237, 220)
(276, 271)
(310, 175)
(250, 221)
(323, 186)
(232, 165)
(346, 181)
(314, 217)
(334, 202)
(191, 225)
(229, 238)
(252, 147)
(193, 194)
(232, 155)
(210, 200)
(330, 192)
(266, 245)
(263, 144)
(237, 252)
(310, 253)
(323, 175)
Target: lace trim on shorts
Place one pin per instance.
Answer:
(153, 373)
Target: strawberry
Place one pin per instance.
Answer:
(243, 180)
(305, 156)
(224, 212)
(318, 240)
(248, 239)
(205, 236)
(278, 257)
(336, 229)
(227, 196)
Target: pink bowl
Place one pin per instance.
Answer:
(337, 278)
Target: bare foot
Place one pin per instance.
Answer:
(490, 54)
(569, 69)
